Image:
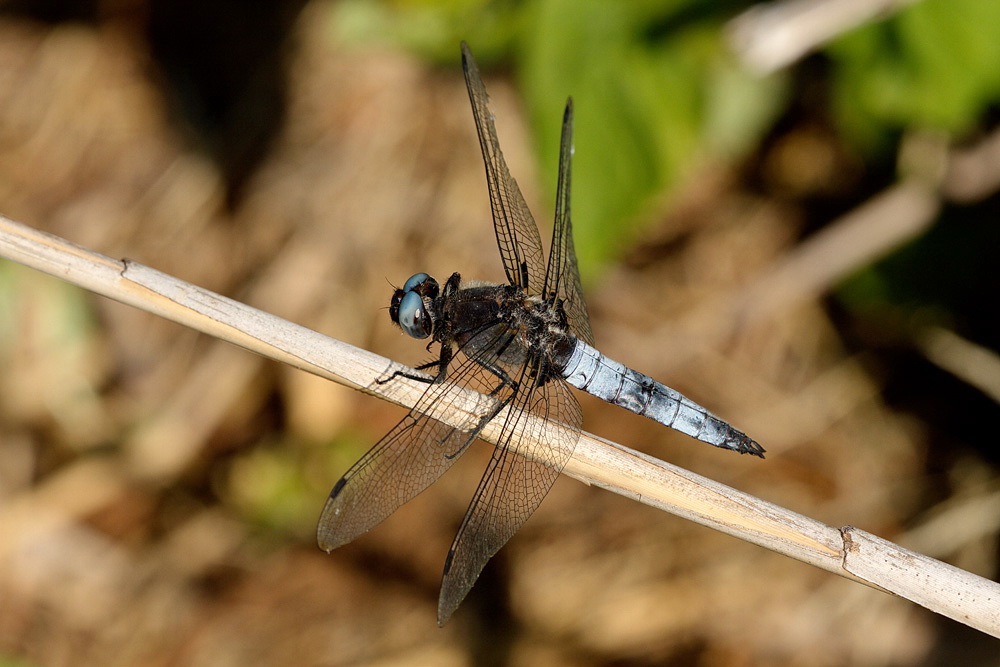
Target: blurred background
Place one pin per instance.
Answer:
(788, 212)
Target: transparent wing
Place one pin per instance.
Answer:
(562, 277)
(514, 484)
(410, 457)
(517, 235)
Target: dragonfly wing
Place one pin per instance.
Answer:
(517, 234)
(399, 466)
(562, 276)
(514, 484)
(411, 456)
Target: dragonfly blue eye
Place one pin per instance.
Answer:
(414, 280)
(412, 316)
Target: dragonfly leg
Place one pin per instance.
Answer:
(441, 365)
(505, 381)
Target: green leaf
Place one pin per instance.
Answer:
(654, 94)
(935, 65)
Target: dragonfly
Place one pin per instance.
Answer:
(523, 343)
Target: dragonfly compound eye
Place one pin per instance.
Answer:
(413, 316)
(414, 280)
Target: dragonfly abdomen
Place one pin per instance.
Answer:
(609, 380)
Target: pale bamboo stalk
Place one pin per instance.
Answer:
(847, 551)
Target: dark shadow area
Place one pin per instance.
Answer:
(222, 67)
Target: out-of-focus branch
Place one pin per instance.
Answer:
(976, 365)
(933, 174)
(773, 35)
(973, 173)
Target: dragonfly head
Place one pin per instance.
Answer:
(412, 307)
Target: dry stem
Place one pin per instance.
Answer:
(847, 551)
